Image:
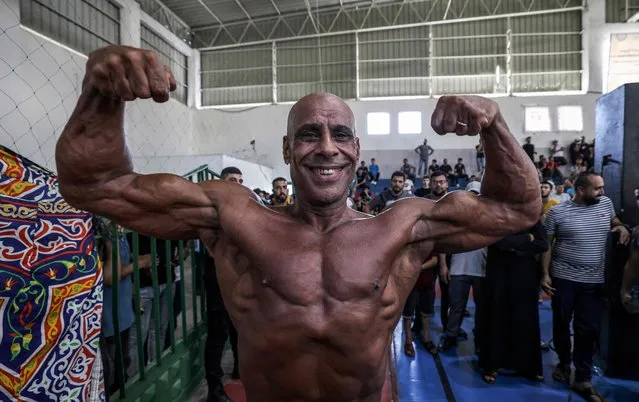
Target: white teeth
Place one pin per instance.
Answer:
(326, 172)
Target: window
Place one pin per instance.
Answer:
(378, 123)
(171, 57)
(537, 118)
(409, 122)
(570, 118)
(82, 25)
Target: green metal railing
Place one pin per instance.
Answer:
(178, 369)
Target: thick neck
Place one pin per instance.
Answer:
(321, 217)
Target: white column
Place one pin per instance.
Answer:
(594, 39)
(129, 23)
(195, 79)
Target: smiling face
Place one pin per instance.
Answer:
(321, 148)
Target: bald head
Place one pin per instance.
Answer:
(316, 105)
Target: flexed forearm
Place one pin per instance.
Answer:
(92, 149)
(510, 176)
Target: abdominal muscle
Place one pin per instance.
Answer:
(297, 368)
(301, 353)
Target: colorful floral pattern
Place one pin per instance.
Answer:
(50, 290)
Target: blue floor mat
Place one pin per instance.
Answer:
(419, 380)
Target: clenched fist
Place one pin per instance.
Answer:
(127, 73)
(464, 115)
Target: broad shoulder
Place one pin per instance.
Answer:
(221, 192)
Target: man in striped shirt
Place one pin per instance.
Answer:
(574, 276)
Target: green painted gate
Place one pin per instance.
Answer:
(179, 369)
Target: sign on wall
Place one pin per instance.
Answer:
(623, 60)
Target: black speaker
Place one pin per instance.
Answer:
(617, 159)
(617, 148)
(618, 346)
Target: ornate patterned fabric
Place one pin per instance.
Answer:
(50, 290)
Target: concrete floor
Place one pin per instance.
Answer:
(201, 392)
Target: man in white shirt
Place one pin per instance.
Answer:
(466, 270)
(560, 194)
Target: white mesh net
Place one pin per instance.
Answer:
(40, 82)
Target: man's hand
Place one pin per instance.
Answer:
(546, 285)
(444, 274)
(126, 73)
(464, 115)
(145, 261)
(624, 234)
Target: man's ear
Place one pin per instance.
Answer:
(286, 150)
(358, 147)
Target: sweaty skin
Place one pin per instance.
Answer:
(313, 295)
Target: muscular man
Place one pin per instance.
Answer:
(219, 325)
(315, 318)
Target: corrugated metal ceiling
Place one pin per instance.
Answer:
(197, 13)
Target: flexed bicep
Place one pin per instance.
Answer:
(160, 205)
(462, 221)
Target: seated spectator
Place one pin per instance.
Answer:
(460, 172)
(409, 170)
(589, 157)
(569, 184)
(541, 164)
(434, 167)
(557, 153)
(409, 185)
(575, 150)
(579, 166)
(361, 175)
(546, 200)
(424, 190)
(560, 195)
(363, 199)
(373, 172)
(445, 168)
(551, 171)
(387, 197)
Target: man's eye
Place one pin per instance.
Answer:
(309, 135)
(341, 135)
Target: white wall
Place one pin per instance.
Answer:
(231, 132)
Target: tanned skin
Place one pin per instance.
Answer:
(314, 318)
